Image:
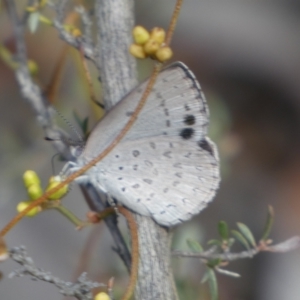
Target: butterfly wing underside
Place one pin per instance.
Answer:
(165, 167)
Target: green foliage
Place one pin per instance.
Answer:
(215, 242)
(269, 224)
(244, 229)
(212, 283)
(239, 237)
(82, 123)
(223, 245)
(223, 230)
(194, 246)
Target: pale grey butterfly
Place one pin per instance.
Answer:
(165, 167)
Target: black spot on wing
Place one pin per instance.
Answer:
(189, 120)
(187, 133)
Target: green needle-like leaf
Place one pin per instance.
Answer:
(244, 229)
(214, 242)
(205, 277)
(214, 262)
(269, 223)
(213, 284)
(85, 123)
(240, 238)
(82, 123)
(223, 230)
(194, 246)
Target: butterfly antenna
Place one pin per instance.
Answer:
(70, 125)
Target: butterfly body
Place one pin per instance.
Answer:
(165, 167)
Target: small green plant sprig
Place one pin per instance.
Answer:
(219, 253)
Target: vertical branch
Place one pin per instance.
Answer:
(155, 278)
(118, 68)
(115, 20)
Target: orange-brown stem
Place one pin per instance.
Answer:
(173, 22)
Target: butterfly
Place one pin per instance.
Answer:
(165, 167)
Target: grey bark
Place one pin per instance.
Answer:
(115, 19)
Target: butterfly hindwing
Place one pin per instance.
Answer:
(167, 179)
(165, 167)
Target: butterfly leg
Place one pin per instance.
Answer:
(69, 168)
(112, 203)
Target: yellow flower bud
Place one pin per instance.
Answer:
(31, 8)
(140, 35)
(76, 32)
(34, 191)
(33, 67)
(102, 296)
(158, 34)
(30, 177)
(54, 181)
(137, 51)
(163, 54)
(45, 20)
(42, 3)
(151, 47)
(23, 205)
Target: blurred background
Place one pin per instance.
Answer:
(246, 56)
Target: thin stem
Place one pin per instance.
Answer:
(69, 215)
(285, 246)
(173, 22)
